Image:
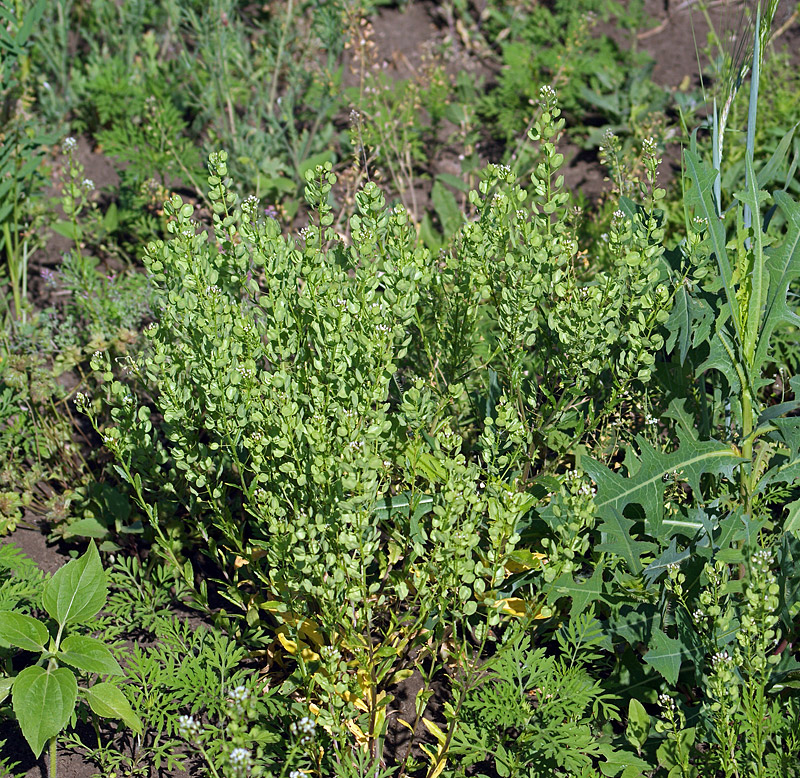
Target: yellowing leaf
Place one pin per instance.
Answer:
(533, 560)
(405, 724)
(361, 738)
(399, 676)
(517, 607)
(289, 645)
(437, 771)
(435, 730)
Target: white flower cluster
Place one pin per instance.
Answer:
(188, 727)
(240, 761)
(547, 93)
(69, 145)
(305, 729)
(649, 146)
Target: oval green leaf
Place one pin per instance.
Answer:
(88, 654)
(23, 631)
(108, 702)
(43, 702)
(78, 590)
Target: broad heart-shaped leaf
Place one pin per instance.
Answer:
(108, 702)
(615, 493)
(88, 654)
(23, 631)
(701, 200)
(78, 590)
(783, 267)
(43, 703)
(664, 655)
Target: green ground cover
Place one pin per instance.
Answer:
(379, 450)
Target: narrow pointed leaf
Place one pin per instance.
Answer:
(783, 267)
(699, 197)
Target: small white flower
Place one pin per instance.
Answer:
(305, 729)
(649, 146)
(87, 184)
(69, 144)
(188, 727)
(241, 761)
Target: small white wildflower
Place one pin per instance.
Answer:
(649, 146)
(547, 93)
(720, 657)
(69, 144)
(239, 696)
(240, 761)
(87, 184)
(305, 729)
(188, 727)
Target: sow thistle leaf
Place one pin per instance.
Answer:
(783, 267)
(701, 200)
(615, 493)
(665, 655)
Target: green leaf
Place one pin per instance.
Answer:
(5, 687)
(313, 161)
(646, 487)
(108, 702)
(43, 703)
(86, 528)
(447, 209)
(78, 590)
(638, 724)
(700, 198)
(88, 654)
(23, 631)
(664, 655)
(67, 230)
(583, 592)
(630, 764)
(783, 267)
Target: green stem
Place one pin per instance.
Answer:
(53, 757)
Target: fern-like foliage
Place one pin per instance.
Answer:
(21, 581)
(533, 714)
